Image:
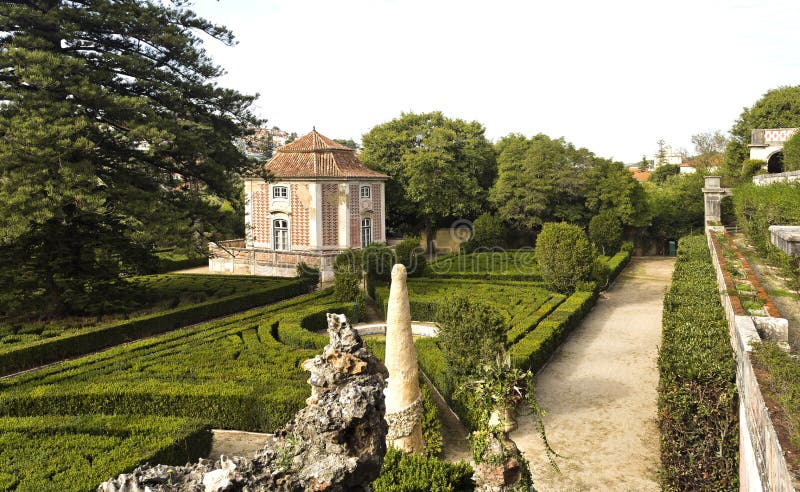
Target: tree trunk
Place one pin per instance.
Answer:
(429, 248)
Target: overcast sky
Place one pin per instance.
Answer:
(611, 76)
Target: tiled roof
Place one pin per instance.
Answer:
(639, 175)
(315, 155)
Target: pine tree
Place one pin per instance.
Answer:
(113, 135)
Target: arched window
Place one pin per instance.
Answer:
(280, 235)
(366, 192)
(366, 232)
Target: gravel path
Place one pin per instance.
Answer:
(599, 391)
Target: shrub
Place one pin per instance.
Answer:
(415, 473)
(791, 153)
(605, 232)
(411, 255)
(697, 397)
(309, 276)
(751, 167)
(782, 384)
(564, 254)
(347, 269)
(470, 332)
(758, 207)
(487, 232)
(662, 173)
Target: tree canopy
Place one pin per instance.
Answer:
(112, 136)
(543, 180)
(778, 108)
(440, 167)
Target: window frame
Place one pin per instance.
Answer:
(284, 231)
(366, 188)
(280, 188)
(366, 226)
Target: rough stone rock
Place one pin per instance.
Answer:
(502, 467)
(336, 443)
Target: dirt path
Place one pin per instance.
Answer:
(599, 391)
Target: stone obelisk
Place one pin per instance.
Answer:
(403, 398)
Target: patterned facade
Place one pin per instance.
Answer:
(313, 208)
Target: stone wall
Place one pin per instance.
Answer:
(232, 257)
(761, 457)
(768, 179)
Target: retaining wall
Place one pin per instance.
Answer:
(768, 179)
(762, 466)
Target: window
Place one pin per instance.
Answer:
(280, 192)
(280, 235)
(366, 192)
(366, 232)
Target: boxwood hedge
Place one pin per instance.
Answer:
(76, 453)
(21, 356)
(697, 398)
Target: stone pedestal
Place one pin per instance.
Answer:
(713, 194)
(403, 397)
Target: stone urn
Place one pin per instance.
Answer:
(504, 417)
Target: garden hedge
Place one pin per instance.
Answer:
(19, 357)
(535, 348)
(91, 449)
(697, 398)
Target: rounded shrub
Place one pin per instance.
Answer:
(791, 153)
(347, 270)
(411, 255)
(751, 167)
(564, 254)
(605, 232)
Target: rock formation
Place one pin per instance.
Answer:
(403, 397)
(336, 443)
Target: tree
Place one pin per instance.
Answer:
(347, 142)
(487, 232)
(676, 207)
(605, 232)
(662, 173)
(644, 164)
(777, 108)
(543, 180)
(111, 133)
(791, 153)
(440, 167)
(712, 142)
(661, 155)
(471, 333)
(564, 255)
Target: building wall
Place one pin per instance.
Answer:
(330, 214)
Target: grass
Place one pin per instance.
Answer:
(783, 385)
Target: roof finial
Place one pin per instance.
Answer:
(314, 128)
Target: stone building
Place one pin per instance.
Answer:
(321, 201)
(767, 145)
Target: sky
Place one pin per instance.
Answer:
(611, 76)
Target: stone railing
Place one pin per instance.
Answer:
(768, 179)
(762, 465)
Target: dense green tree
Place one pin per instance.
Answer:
(664, 172)
(440, 167)
(346, 142)
(471, 333)
(543, 180)
(605, 232)
(778, 108)
(112, 134)
(487, 233)
(410, 254)
(676, 207)
(791, 153)
(565, 255)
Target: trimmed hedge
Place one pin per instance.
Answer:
(487, 265)
(619, 261)
(233, 372)
(697, 397)
(415, 473)
(27, 355)
(535, 348)
(65, 453)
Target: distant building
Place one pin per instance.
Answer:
(322, 201)
(639, 175)
(667, 157)
(767, 145)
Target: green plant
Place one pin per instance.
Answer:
(697, 397)
(564, 255)
(782, 383)
(605, 232)
(348, 273)
(410, 254)
(487, 233)
(469, 332)
(416, 473)
(751, 167)
(309, 275)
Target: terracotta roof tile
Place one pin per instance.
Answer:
(315, 155)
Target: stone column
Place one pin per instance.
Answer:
(403, 398)
(713, 193)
